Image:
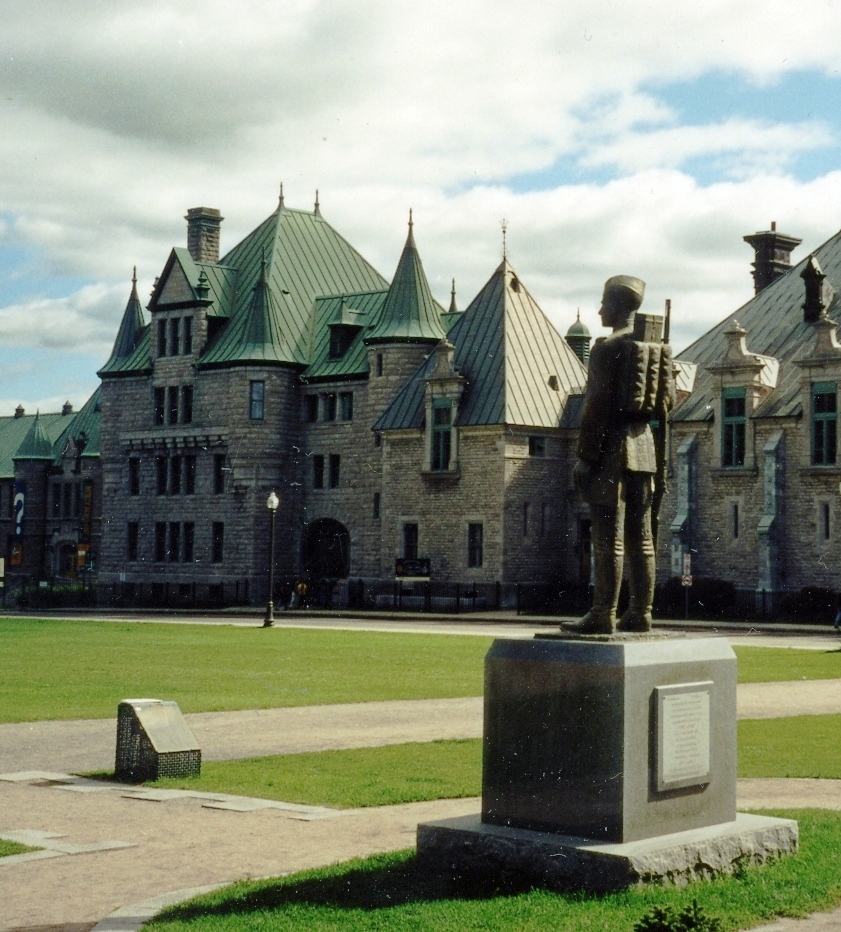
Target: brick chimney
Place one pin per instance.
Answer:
(203, 233)
(773, 255)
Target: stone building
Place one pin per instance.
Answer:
(754, 454)
(390, 427)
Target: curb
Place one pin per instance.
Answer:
(131, 918)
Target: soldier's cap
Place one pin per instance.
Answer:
(626, 285)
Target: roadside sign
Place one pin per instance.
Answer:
(686, 580)
(687, 566)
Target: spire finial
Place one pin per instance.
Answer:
(578, 314)
(134, 277)
(280, 199)
(317, 210)
(411, 222)
(453, 307)
(504, 239)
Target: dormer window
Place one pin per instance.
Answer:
(442, 426)
(734, 422)
(824, 423)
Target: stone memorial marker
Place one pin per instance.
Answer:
(153, 741)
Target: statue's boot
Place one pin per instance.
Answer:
(634, 620)
(594, 622)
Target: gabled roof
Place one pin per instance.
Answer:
(87, 422)
(409, 314)
(37, 444)
(356, 310)
(775, 327)
(305, 258)
(509, 351)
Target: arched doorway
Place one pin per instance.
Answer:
(326, 550)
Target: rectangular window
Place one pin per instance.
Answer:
(160, 405)
(441, 435)
(475, 533)
(189, 541)
(526, 506)
(172, 405)
(346, 405)
(174, 549)
(318, 471)
(378, 438)
(733, 427)
(175, 475)
(66, 505)
(160, 542)
(826, 528)
(824, 423)
(188, 336)
(310, 408)
(134, 476)
(77, 499)
(131, 540)
(189, 475)
(379, 364)
(735, 520)
(537, 446)
(410, 541)
(335, 462)
(174, 336)
(376, 506)
(161, 338)
(218, 473)
(257, 401)
(218, 542)
(328, 406)
(161, 468)
(57, 500)
(187, 404)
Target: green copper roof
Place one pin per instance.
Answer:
(410, 314)
(87, 422)
(775, 327)
(509, 352)
(305, 259)
(37, 444)
(348, 310)
(130, 327)
(255, 335)
(14, 430)
(578, 329)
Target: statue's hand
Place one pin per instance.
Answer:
(582, 472)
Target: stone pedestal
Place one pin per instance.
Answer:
(607, 740)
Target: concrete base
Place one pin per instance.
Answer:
(469, 846)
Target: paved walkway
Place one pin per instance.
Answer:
(87, 745)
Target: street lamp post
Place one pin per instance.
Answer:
(272, 503)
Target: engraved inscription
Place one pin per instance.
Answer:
(683, 735)
(686, 736)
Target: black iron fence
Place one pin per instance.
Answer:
(28, 592)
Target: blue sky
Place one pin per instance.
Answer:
(644, 139)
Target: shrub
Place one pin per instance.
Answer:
(810, 604)
(691, 918)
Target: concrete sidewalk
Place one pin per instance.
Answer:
(86, 745)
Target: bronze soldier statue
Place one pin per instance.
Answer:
(630, 383)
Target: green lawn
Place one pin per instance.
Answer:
(51, 669)
(398, 773)
(403, 773)
(394, 893)
(801, 746)
(78, 669)
(12, 847)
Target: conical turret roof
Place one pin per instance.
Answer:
(131, 326)
(409, 314)
(36, 444)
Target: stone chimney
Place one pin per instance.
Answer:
(19, 411)
(773, 255)
(66, 409)
(203, 233)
